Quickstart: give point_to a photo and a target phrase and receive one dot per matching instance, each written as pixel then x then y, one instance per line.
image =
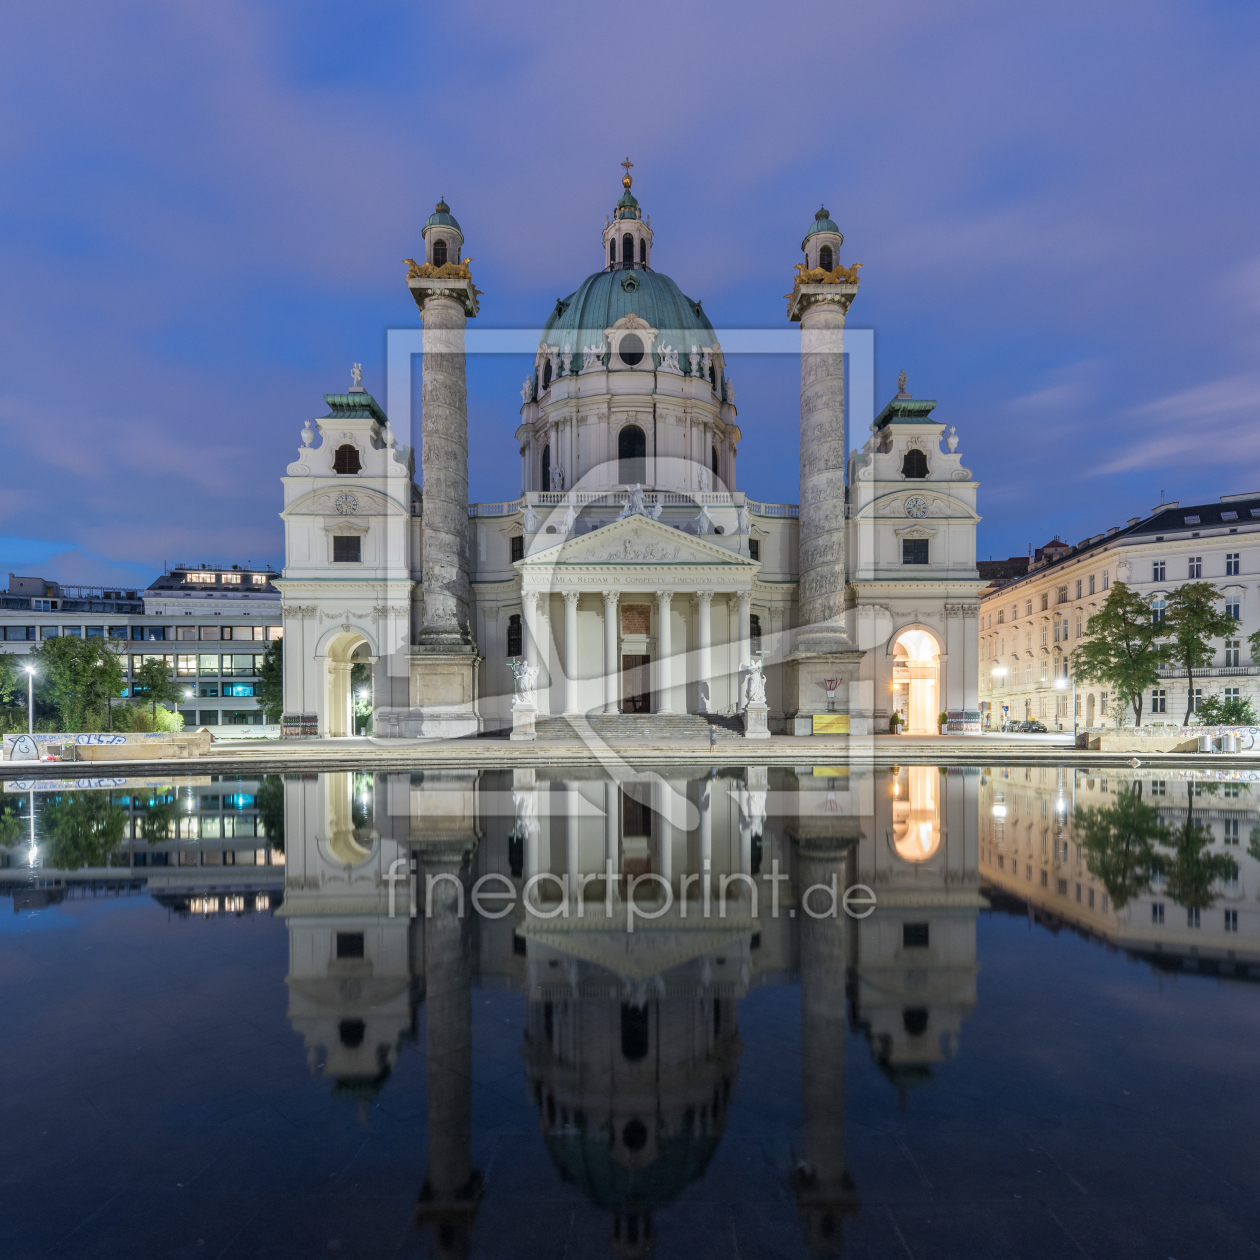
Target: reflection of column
pixel 669 793
pixel 571 860
pixel 824 1191
pixel 570 652
pixel 612 671
pixel 706 835
pixel 664 674
pixel 745 642
pixel 704 653
pixel 529 607
pixel 448 1199
pixel 612 803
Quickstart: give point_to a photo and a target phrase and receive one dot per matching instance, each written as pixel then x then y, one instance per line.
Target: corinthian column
pixel 444 461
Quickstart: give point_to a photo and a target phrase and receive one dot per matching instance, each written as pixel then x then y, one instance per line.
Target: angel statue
pixel 669 359
pixel 592 356
pixel 356 376
pixel 527 390
pixel 525 678
pixel 754 682
pixel 694 357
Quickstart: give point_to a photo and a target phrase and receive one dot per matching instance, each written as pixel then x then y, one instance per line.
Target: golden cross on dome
pixel 626 180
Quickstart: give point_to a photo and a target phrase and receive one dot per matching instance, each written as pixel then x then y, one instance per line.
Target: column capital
pixel 571 597
pixel 744 597
pixel 663 597
pixel 611 598
pixel 704 597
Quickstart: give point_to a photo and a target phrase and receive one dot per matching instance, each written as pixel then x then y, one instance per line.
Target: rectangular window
pixel 1159 571
pixel 1233 607
pixel 1198 699
pixel 1231 920
pixel 208 665
pixel 1091 583
pixel 200 579
pixel 1062 599
pixel 207 717
pixel 239 666
pixel 1159 787
pixel 914 936
pixel 914 551
pixel 242 717
pixel 1159 700
pixel 116 632
pixel 349 944
pixel 1078 892
pixel 1231 831
pixel 1028 608
pixel 1045 600
pixel 1231 563
pixel 19 632
pixel 1091 898
pixel 1233 650
pixel 1043 879
pixel 518 547
pixel 190 717
pixel 208 690
pixel 1078 588
pixel 185 633
pixel 74 632
pixel 94 632
pixel 231 579
pixel 1045 630
pixel 274 633
pixel 1195 567
pixel 238 689
pixel 1193 917
pixel 1106 580
pixel 1157 912
pixel 1159 609
pixel 186 666
pixel 258 579
pixel 754 549
pixel 346 549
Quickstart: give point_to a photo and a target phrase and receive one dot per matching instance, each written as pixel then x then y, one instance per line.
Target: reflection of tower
pixel 632 1073
pixel 824 1191
pixel 443 825
pixel 915 958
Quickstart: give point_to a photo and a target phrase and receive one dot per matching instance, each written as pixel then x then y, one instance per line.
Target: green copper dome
pixel 627 206
pixel 822 223
pixel 607 296
pixel 442 217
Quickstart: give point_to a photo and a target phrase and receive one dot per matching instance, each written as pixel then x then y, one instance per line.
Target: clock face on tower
pixel 916 507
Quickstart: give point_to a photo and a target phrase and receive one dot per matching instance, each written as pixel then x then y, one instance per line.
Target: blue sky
pixel 204 209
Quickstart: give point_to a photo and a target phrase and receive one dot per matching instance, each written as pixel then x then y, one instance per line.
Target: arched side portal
pixel 917 681
pixel 343 652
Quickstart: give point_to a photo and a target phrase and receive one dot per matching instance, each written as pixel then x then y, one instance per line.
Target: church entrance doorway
pixel 917 669
pixel 636 684
pixel 348 700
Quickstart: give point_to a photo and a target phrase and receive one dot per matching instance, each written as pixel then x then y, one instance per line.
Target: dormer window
pixel 346 459
pixel 439 252
pixel 915 464
pixel 824 258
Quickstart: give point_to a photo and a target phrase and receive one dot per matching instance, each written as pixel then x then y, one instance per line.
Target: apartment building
pixel 1029 625
pixel 188 616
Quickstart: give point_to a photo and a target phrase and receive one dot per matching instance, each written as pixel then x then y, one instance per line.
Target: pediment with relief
pixel 637 540
pixel 348 499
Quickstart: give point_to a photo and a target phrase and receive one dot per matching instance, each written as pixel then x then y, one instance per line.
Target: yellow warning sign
pixel 831 723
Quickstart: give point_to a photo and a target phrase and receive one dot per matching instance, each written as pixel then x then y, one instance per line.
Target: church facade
pixel 631 574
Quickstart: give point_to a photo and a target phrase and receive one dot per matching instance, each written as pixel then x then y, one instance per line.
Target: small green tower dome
pixel 442 217
pixel 822 223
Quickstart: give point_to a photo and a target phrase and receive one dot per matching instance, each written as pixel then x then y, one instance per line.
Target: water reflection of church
pixel 631 1043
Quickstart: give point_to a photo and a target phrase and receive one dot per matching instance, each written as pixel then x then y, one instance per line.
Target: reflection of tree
pixel 10 821
pixel 1119 843
pixel 82 830
pixel 270 798
pixel 1191 871
pixel 156 821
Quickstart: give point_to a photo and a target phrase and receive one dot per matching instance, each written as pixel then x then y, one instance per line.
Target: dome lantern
pixel 822 242
pixel 627 236
pixel 443 240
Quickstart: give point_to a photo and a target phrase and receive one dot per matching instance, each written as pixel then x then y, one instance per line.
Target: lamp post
pixel 1061 685
pixel 30 700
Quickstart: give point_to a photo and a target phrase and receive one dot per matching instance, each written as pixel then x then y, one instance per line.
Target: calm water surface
pixel 225 1033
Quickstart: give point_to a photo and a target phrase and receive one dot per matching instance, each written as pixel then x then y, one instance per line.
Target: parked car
pixel 1033 728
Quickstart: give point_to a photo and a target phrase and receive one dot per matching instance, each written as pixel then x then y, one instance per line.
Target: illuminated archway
pixel 916 681
pixel 916 831
pixel 343 652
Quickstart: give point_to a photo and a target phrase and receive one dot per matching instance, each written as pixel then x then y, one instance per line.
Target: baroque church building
pixel 631 574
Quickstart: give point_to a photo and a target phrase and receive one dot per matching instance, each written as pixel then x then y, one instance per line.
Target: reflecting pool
pixel 922 1012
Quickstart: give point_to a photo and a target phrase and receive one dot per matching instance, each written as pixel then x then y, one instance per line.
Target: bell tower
pixel 627 235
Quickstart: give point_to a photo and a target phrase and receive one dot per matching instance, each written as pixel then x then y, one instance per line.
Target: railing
pixel 618 498
pixel 1210 671
pixel 789 510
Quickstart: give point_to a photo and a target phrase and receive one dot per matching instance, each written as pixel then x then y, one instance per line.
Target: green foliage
pixel 1119 843
pixel 79 677
pixel 942 718
pixel 154 682
pixel 157 822
pixel 138 717
pixel 1192 870
pixel 1253 642
pixel 12 829
pixel 1193 621
pixel 271 681
pixel 1227 711
pixel 1122 649
pixel 270 800
pixel 12 679
pixel 361 695
pixel 83 829
pixel 1254 847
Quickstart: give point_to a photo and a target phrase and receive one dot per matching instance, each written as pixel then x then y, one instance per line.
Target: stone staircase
pixel 620 729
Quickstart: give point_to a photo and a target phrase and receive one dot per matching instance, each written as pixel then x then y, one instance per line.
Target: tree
pixel 79 676
pixel 82 830
pixel 270 800
pixel 1192 870
pixel 271 681
pixel 154 682
pixel 1227 711
pixel 1122 649
pixel 12 679
pixel 1193 621
pixel 1119 844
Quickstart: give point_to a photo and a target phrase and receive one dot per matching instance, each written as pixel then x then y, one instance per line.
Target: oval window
pixel 631 350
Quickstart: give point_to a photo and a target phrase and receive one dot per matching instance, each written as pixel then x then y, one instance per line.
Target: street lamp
pixel 1061 685
pixel 30 702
